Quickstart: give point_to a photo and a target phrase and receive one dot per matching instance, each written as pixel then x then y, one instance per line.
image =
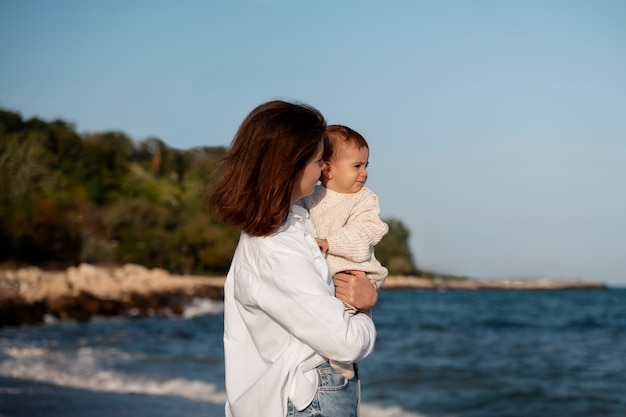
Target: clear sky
pixel 497 129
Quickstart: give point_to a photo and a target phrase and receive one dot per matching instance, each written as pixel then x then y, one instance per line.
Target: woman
pixel 282 321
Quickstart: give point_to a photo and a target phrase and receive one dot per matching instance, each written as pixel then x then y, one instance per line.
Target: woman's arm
pixel 292 292
pixel 354 288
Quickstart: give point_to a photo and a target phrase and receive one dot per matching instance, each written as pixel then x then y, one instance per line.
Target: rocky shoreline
pixel 28 295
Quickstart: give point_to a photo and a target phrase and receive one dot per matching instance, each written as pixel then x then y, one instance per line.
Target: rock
pixel 16 311
pixel 79 293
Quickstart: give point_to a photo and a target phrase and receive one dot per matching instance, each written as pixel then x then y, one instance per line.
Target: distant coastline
pixel 400 282
pixel 28 295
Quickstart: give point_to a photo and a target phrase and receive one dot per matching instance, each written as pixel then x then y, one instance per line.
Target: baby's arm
pixel 362 231
pixel 323 244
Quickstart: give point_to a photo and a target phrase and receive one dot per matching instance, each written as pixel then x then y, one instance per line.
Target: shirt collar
pixel 298 217
pixel 299 212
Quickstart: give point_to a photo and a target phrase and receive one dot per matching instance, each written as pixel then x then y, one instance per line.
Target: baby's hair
pixel 272 146
pixel 338 136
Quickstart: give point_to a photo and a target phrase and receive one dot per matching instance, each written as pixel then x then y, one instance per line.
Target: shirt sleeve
pixel 363 230
pixel 294 295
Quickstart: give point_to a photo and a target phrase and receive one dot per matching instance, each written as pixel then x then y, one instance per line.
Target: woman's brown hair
pixel 271 147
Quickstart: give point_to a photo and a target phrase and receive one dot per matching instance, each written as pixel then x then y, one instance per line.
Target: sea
pixel 500 353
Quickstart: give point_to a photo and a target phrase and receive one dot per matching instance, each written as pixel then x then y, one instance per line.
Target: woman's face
pixel 308 177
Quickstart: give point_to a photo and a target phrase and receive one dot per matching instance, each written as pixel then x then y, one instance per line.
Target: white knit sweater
pixel 351 223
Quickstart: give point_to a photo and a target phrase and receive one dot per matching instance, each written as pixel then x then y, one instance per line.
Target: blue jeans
pixel 336 396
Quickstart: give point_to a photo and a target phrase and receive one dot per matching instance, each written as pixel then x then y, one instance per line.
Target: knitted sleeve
pixel 364 229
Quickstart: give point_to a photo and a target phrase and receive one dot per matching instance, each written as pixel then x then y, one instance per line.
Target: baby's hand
pixel 323 244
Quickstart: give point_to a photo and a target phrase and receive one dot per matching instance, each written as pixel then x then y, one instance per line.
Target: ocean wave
pixel 47 366
pixel 195 308
pixel 370 410
pixel 201 306
pixel 82 371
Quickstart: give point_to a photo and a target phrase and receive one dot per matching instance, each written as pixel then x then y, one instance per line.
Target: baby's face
pixel 347 172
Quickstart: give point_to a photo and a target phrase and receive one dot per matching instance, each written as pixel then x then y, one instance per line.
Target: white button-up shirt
pixel 281 320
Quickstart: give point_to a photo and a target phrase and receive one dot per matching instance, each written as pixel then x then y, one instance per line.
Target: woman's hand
pixel 354 288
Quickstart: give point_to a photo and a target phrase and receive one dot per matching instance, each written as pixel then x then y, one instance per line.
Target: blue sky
pixel 497 129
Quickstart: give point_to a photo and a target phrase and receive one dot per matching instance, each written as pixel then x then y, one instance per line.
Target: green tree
pixel 104 165
pixel 38 224
pixel 67 198
pixel 393 250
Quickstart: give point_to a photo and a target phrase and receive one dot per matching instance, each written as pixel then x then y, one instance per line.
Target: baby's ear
pixel 328 170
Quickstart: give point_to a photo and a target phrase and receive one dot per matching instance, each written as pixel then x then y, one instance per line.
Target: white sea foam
pixel 49 319
pixel 197 307
pixel 26 352
pixel 202 306
pixel 52 367
pixel 370 410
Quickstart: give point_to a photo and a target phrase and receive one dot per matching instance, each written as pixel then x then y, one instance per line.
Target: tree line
pixel 101 198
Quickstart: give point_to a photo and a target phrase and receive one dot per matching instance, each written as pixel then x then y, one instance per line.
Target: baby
pixel 345 215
